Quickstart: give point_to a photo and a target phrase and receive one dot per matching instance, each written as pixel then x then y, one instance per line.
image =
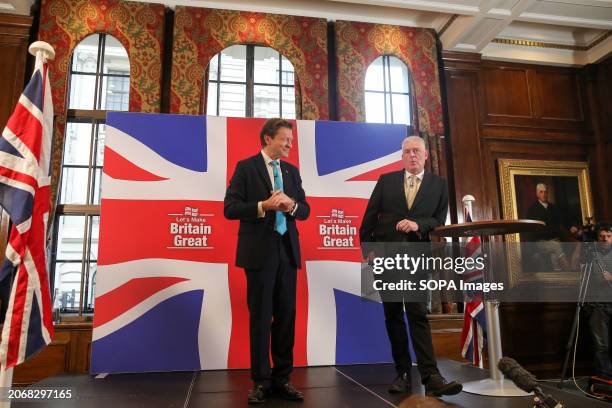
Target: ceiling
pixel 16 6
pixel 554 32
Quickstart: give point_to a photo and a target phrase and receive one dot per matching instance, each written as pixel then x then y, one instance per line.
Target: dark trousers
pixel 271 301
pixel 420 333
pixel 599 322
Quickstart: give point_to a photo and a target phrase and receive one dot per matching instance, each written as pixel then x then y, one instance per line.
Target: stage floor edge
pixel 362 386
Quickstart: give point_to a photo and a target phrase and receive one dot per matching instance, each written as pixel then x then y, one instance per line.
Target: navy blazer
pixel 249 185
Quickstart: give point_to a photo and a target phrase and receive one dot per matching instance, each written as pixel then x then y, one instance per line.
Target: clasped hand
pixel 406 226
pixel 278 201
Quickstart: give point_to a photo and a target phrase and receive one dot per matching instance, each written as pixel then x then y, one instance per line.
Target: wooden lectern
pixel 496 385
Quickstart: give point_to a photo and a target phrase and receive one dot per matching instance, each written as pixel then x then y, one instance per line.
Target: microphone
pixel 526 381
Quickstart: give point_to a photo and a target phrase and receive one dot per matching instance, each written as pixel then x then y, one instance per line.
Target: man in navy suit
pixel 404 207
pixel 266 195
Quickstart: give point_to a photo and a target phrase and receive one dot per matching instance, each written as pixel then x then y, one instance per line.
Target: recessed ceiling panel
pixel 549 33
pixel 480 31
pixel 561 11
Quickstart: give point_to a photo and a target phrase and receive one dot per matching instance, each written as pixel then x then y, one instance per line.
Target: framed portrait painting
pixel 555 192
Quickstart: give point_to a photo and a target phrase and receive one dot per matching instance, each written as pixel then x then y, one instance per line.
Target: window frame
pixel 386 69
pixel 249 103
pixel 96 117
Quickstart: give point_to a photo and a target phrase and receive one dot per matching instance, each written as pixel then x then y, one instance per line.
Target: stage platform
pixel 362 386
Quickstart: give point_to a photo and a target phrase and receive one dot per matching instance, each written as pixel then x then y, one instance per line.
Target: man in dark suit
pixel 266 195
pixel 404 207
pixel 548 241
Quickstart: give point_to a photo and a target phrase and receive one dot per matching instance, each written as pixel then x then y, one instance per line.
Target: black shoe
pixel 401 384
pixel 258 394
pixel 437 386
pixel 287 391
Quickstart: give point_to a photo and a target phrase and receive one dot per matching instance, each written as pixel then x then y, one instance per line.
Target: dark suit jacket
pixel 551 218
pixel 250 184
pixel 388 205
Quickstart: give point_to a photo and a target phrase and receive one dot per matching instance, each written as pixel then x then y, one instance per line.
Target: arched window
pixel 387 91
pixel 99 81
pixel 251 81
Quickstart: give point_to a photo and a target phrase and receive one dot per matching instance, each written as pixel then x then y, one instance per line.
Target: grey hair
pixel 541 186
pixel 414 138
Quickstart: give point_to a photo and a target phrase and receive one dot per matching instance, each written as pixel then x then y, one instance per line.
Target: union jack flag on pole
pixel 474 333
pixel 25 148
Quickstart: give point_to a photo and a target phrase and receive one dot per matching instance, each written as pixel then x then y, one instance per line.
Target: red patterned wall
pixel 201 33
pixel 359 44
pixel 138 26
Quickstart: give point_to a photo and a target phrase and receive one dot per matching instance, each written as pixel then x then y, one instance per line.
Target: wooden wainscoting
pixel 446 335
pixel 69 353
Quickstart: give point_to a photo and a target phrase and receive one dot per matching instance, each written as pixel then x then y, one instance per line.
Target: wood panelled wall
pixel 599 90
pixel 14 41
pixel 68 353
pixel 504 110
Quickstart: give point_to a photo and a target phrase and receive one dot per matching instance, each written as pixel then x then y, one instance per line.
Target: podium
pixel 495 385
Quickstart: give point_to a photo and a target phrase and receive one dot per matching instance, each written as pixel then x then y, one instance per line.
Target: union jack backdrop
pixel 474 334
pixel 24 194
pixel 168 296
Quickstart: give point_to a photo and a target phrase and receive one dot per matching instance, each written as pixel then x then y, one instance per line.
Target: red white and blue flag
pixel 24 194
pixel 168 296
pixel 473 335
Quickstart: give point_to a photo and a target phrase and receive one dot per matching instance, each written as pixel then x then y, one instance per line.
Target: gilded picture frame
pixel 518 179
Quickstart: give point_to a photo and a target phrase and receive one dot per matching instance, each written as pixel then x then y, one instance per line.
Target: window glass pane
pixel 287 76
pixel 85 56
pixel 115 93
pixel 375 107
pixel 213 68
pixel 388 118
pixel 74 185
pixel 266 103
pixel 401 109
pixel 288 103
pixel 82 91
pixel 67 285
pixel 211 100
pixel 115 57
pixel 100 144
pixel 98 176
pixel 71 229
pixel 374 76
pixel 88 301
pixel 233 63
pixel 95 233
pixel 232 101
pixel 399 75
pixel 77 143
pixel 266 65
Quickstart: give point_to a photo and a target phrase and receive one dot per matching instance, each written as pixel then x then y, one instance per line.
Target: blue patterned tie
pixel 281 222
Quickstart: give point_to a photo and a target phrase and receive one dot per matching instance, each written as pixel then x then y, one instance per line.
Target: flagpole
pixel 6 382
pixel 43 52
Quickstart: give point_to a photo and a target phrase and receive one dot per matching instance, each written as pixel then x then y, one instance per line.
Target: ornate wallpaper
pixel 138 26
pixel 201 33
pixel 359 44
